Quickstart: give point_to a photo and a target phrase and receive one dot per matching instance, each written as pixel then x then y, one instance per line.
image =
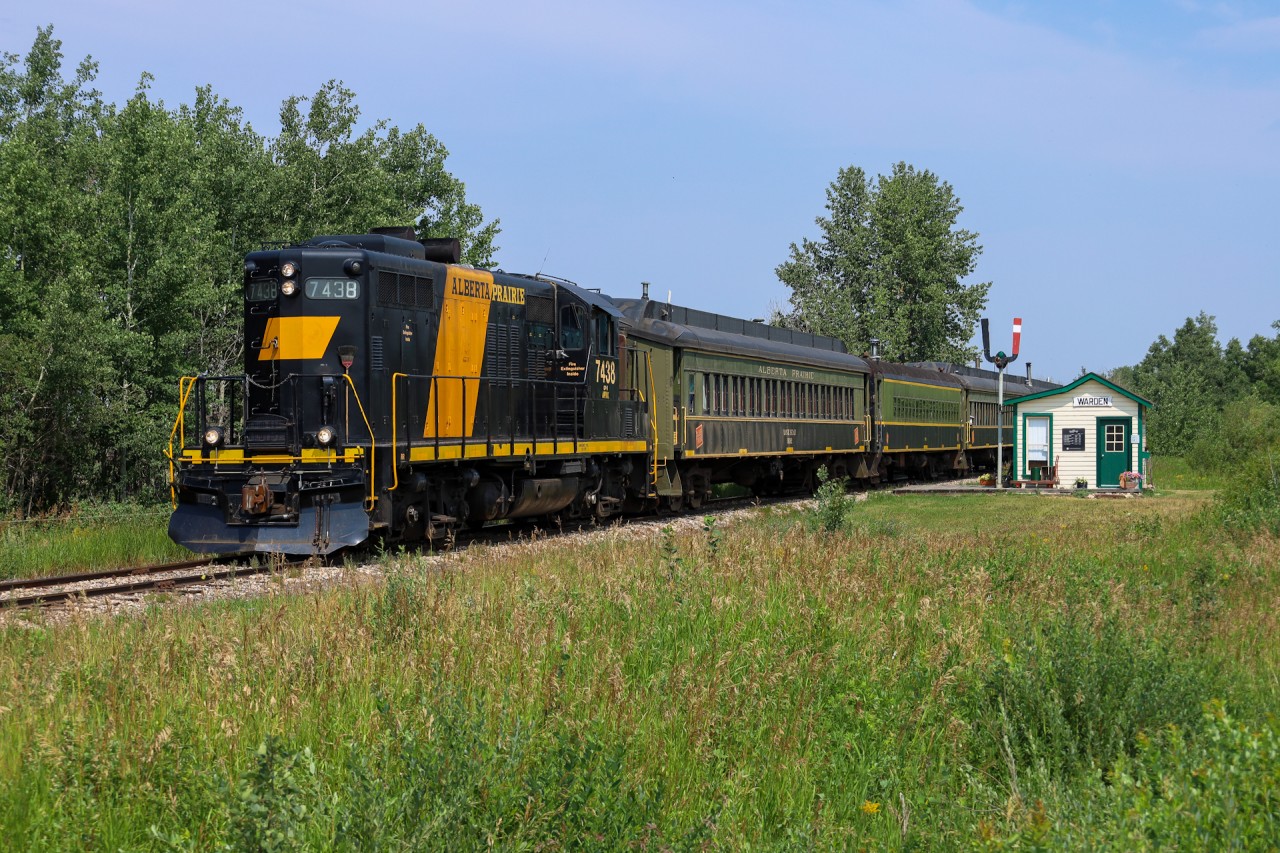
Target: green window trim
pixel 1022 445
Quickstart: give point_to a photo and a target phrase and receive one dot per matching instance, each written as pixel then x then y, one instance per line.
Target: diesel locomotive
pixel 390 391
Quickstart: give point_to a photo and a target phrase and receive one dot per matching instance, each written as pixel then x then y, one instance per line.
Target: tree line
pixel 1217 403
pixel 122 237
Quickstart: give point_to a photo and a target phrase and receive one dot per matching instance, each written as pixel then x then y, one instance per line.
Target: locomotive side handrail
pixel 653 419
pixel 487 386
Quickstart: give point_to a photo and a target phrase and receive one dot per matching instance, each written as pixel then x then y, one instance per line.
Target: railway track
pixel 18 593
pixel 54 589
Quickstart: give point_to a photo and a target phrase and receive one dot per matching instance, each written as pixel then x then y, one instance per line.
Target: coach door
pixel 1113 450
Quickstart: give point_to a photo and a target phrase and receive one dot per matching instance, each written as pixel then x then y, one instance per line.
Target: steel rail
pixel 98 574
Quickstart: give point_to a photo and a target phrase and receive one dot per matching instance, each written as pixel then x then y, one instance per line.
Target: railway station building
pixel 1090 429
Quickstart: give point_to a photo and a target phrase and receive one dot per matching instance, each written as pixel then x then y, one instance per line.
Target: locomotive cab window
pixel 604 334
pixel 571 333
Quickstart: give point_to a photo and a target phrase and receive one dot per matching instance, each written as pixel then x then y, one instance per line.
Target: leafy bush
pixel 1248 428
pixel 834 501
pixel 1213 792
pixel 269 804
pixel 1251 500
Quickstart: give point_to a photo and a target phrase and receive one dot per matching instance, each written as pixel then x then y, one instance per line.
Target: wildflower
pixel 869 807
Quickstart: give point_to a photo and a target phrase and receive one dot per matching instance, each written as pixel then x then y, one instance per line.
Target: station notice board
pixel 1073 438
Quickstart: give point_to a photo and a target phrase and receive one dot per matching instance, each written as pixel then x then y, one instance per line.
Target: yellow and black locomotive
pixel 390 391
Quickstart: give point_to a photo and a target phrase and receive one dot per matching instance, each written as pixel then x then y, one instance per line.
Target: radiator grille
pixel 540 309
pixel 402 290
pixel 268 432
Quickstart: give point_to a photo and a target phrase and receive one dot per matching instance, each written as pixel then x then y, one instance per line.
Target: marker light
pixel 288 287
pixel 213 437
pixel 325 436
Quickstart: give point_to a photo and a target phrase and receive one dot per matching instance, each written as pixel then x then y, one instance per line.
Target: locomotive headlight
pixel 288 287
pixel 288 269
pixel 213 437
pixel 325 435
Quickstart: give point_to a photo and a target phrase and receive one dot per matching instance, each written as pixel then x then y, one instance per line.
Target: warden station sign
pixel 1093 401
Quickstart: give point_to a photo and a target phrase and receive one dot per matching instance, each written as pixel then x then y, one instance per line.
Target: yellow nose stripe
pixel 296 338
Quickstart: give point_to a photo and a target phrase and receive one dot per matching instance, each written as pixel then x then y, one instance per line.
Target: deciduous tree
pixel 890 264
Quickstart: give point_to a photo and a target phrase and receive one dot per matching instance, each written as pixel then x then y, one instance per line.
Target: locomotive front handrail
pixel 190 386
pixel 372 500
pixel 185 385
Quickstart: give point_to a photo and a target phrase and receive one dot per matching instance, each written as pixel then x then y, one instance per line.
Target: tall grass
pixel 935 672
pixel 87 537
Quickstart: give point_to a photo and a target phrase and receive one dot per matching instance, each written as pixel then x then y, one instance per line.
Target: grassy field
pixel 986 671
pixel 90 537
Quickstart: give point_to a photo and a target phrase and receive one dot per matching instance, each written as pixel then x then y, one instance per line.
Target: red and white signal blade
pixel 1017 335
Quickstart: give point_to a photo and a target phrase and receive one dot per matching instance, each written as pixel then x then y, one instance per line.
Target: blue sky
pixel 1119 160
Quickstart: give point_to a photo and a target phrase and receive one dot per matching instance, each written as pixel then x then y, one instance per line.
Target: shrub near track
pixel 933 672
